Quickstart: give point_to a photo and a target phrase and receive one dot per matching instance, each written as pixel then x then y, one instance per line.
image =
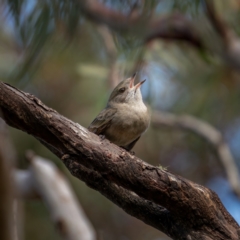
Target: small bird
pixel 125 117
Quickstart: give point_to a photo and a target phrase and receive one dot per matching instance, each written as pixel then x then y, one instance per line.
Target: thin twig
pixel 113 76
pixel 220 26
pixel 231 42
pixel 209 133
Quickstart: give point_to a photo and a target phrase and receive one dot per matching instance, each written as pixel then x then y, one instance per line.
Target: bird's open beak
pixel 139 84
pixel 132 82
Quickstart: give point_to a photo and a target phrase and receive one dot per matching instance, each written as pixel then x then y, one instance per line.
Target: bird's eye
pixel 121 90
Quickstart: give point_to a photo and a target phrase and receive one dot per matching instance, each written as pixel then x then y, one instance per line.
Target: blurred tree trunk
pixel 6 188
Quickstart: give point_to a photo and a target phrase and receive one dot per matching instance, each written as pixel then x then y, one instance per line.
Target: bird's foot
pixel 102 137
pixel 132 153
pixel 125 148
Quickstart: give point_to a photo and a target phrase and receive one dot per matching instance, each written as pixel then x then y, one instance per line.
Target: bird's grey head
pixel 126 92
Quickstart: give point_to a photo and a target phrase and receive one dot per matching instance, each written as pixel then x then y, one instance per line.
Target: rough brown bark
pixel 184 210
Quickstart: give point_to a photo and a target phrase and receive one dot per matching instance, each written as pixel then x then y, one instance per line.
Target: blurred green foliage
pixel 50 49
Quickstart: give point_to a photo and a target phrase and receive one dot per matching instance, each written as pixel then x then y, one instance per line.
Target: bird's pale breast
pixel 128 124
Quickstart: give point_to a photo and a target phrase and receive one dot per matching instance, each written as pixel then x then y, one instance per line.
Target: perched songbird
pixel 125 117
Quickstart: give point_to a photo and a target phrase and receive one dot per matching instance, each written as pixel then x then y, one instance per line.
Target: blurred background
pixel 51 49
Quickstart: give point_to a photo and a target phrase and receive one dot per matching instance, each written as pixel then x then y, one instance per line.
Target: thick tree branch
pixel 208 132
pixel 175 27
pixel 98 12
pixel 197 209
pixel 147 211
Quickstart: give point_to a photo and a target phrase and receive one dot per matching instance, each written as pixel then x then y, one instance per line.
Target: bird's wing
pixel 102 121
